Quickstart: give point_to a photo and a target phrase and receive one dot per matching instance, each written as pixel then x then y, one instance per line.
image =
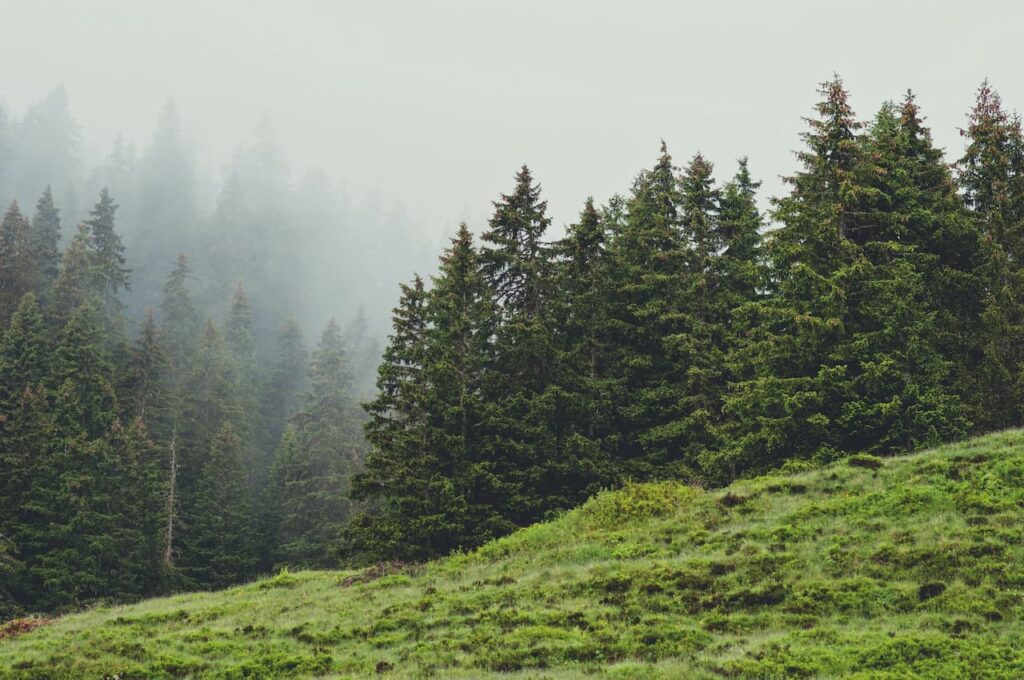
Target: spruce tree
pixel 314 465
pixel 410 507
pixel 283 389
pixel 460 318
pixel 79 281
pixel 180 320
pixel 991 177
pixel 108 253
pixel 218 546
pixel 794 384
pixel 45 236
pixel 257 450
pixel 585 363
pixel 26 433
pixel 16 274
pixel 646 291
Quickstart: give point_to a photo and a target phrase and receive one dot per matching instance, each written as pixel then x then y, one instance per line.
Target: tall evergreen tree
pixel 793 386
pixel 79 281
pixel 411 507
pixel 108 253
pixel 16 274
pixel 315 463
pixel 181 324
pixel 44 240
pixel 580 305
pixel 283 389
pixel 218 546
pixel 647 285
pixel 991 177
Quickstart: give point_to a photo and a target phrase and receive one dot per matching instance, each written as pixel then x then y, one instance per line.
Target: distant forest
pixel 675 331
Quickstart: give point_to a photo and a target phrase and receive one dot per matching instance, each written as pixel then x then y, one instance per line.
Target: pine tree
pixel 181 324
pixel 26 363
pixel 696 349
pixel 45 236
pixel 580 303
pixel 314 466
pixel 257 449
pixel 218 545
pixel 16 275
pixel 741 265
pixel 208 401
pixel 646 289
pixel 147 378
pixel 527 414
pixel 412 509
pixel 514 262
pixel 79 281
pixel 991 177
pixel 108 253
pixel 794 385
pixel 77 532
pixel 283 389
pixel 460 318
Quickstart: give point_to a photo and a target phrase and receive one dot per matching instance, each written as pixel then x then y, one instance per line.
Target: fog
pixel 399 118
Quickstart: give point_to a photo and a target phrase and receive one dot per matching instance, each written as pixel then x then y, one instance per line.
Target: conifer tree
pixel 26 364
pixel 181 323
pixel 991 177
pixel 108 253
pixel 648 258
pixel 315 462
pixel 45 236
pixel 460 318
pixel 218 546
pixel 411 508
pixel 208 401
pixel 740 267
pixel 514 259
pixel 287 380
pixel 16 275
pixel 580 305
pixel 79 281
pixel 148 373
pixel 794 384
pixel 527 415
pixel 257 451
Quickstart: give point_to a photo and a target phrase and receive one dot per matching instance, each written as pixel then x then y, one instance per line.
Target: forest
pixel 160 436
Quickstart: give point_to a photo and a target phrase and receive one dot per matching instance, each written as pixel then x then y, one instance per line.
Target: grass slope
pixel 914 567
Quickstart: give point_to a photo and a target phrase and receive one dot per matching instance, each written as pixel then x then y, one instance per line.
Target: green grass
pixel 908 567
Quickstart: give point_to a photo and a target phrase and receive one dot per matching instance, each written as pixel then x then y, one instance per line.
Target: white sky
pixel 439 102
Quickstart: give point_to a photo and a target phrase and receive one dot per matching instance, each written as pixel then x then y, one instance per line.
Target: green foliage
pixel 839 572
pixel 218 547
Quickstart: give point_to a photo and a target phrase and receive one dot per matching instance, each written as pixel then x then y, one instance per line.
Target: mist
pixel 367 132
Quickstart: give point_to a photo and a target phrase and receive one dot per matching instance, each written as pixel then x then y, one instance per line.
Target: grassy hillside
pixel 911 566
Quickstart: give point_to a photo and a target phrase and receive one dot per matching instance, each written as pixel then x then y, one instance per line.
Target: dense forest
pixel 676 331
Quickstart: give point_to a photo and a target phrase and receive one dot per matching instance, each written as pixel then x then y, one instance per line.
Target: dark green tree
pixel 16 274
pixel 315 462
pixel 45 237
pixel 218 545
pixel 411 506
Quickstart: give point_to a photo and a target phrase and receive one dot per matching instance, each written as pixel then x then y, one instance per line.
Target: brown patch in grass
pixel 16 627
pixel 379 570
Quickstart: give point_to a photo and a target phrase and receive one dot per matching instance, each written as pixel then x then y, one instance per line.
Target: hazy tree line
pixel 675 331
pixel 295 242
pixel 672 333
pixel 173 459
pixel 144 397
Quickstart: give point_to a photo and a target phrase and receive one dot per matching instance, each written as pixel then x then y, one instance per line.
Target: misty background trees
pixel 298 242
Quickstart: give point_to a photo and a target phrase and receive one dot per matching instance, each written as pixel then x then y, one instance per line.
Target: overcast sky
pixel 439 102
